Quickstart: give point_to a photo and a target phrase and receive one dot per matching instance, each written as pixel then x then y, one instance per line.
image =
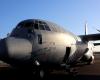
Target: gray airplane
pixel 44 46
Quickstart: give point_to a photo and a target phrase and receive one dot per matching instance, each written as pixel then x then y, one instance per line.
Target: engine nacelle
pixel 88 56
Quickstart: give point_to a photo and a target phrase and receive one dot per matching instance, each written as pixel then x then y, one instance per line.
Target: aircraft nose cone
pixel 15 49
pixel 18 48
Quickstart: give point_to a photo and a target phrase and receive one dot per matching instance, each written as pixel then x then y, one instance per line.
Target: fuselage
pixel 42 41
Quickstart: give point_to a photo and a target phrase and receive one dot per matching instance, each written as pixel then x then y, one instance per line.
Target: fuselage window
pixel 39 39
pixel 36 26
pixel 47 28
pixel 41 26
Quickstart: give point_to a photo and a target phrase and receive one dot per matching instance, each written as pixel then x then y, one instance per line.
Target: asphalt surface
pixel 85 72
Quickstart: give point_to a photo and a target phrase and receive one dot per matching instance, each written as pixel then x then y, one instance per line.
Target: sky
pixel 70 14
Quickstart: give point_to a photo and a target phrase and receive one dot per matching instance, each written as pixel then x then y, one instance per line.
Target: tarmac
pixel 85 72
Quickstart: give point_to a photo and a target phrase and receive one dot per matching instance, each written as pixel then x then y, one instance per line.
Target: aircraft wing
pixel 90 37
pixel 96 44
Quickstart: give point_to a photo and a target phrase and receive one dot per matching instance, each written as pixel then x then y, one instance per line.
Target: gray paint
pixel 23 44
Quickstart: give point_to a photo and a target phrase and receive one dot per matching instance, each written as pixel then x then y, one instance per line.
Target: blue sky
pixel 71 14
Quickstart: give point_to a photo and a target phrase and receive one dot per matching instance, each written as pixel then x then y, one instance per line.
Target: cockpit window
pixel 41 26
pixel 20 25
pixel 40 22
pixel 36 26
pixel 28 24
pixel 36 21
pixel 25 24
pixel 47 28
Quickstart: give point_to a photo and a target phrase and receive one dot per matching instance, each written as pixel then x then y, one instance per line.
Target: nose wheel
pixel 41 73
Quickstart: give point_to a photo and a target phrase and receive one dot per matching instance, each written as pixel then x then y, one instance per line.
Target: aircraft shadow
pixel 16 75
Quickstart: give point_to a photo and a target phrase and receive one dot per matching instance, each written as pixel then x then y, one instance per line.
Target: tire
pixel 41 74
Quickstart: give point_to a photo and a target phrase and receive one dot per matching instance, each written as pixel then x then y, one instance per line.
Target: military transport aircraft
pixel 43 45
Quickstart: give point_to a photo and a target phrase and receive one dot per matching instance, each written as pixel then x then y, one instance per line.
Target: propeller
pixel 98 30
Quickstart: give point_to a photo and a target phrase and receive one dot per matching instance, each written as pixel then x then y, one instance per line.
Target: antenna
pixel 86 31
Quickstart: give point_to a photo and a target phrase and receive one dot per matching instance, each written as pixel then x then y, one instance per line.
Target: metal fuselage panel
pixel 53 47
pixel 51 50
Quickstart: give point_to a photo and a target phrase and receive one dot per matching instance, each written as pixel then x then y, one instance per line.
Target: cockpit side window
pixel 36 26
pixel 28 24
pixel 20 25
pixel 25 25
pixel 47 28
pixel 41 26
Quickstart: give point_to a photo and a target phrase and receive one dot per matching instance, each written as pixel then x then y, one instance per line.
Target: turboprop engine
pixel 88 56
